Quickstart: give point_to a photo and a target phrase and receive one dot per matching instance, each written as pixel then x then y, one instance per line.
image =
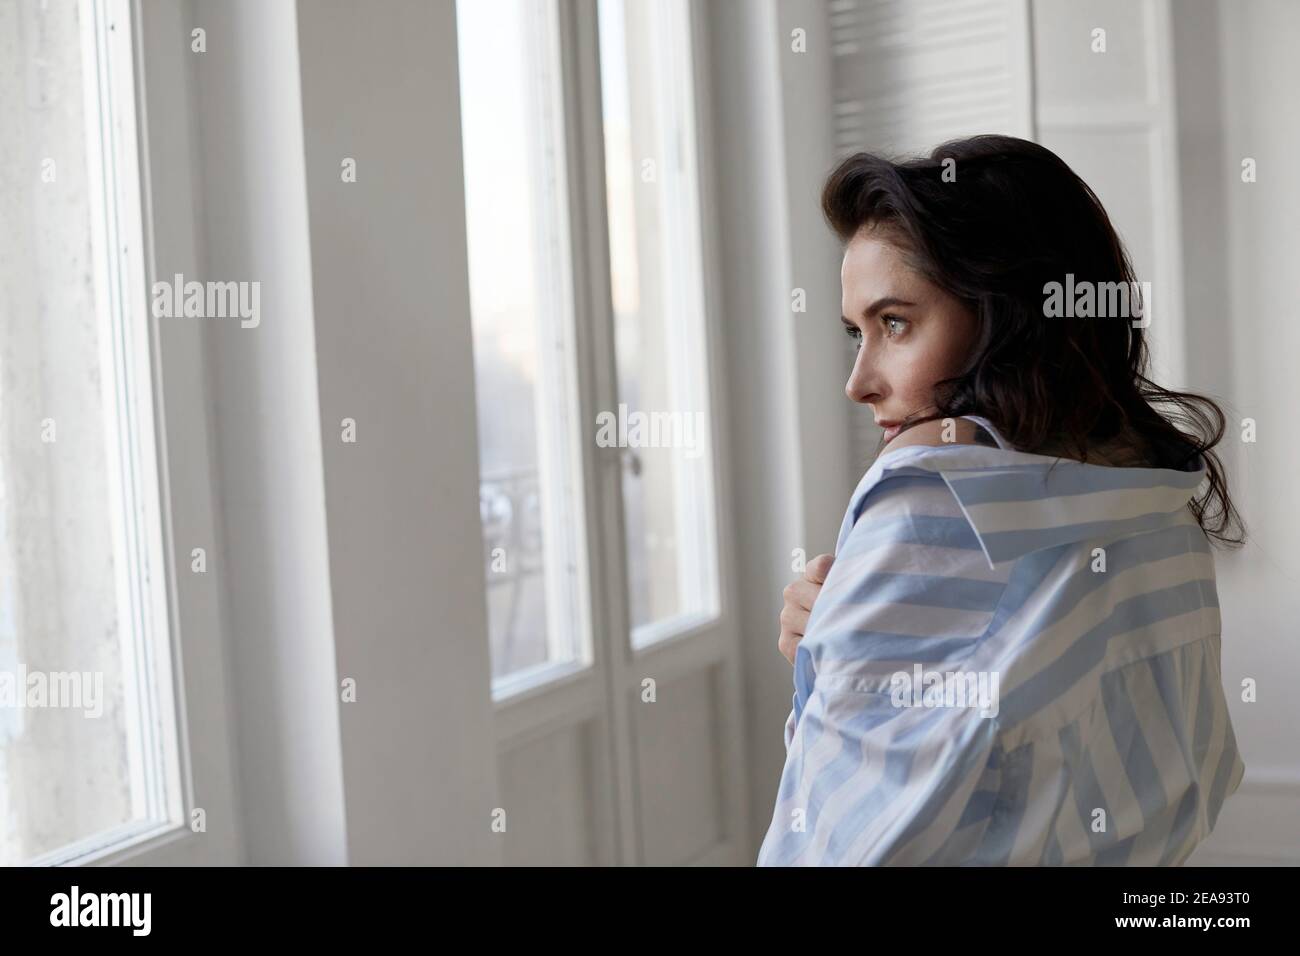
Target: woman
pixel 1014 656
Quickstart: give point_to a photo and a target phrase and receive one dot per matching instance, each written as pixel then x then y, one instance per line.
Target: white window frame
pixel 560 428
pixel 151 149
pixel 681 251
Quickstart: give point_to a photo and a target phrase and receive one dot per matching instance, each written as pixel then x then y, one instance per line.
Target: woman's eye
pixel 894 325
pixel 854 333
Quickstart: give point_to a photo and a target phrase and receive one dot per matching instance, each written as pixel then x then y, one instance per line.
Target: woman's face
pixel 911 334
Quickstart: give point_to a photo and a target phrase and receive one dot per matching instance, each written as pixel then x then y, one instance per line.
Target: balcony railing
pixel 510 509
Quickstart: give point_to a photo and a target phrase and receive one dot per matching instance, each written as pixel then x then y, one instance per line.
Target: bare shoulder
pixel 940 431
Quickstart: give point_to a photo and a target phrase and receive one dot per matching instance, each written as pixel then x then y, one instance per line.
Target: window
pixel 658 298
pixel 519 113
pixel 588 252
pixel 87 732
pixel 522 305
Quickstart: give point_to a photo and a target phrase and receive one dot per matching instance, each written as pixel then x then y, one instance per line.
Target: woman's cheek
pixel 915 380
pixel 938 363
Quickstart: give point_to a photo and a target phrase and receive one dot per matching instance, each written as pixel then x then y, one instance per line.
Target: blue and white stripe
pixel 1111 742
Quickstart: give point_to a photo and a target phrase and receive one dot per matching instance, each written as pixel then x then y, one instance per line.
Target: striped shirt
pixel 1014 660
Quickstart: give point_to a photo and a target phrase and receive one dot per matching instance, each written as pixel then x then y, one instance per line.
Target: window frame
pixel 154 152
pixel 568 635
pixel 689 367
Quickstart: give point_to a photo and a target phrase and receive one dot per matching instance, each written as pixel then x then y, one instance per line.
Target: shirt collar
pixel 1019 503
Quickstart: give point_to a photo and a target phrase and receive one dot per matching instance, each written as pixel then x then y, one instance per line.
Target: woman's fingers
pixel 799 597
pixel 794 619
pixel 817 569
pixel 786 644
pixel 802 593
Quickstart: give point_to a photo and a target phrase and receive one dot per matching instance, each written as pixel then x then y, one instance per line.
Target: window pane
pixel 655 255
pixel 85 754
pixel 522 310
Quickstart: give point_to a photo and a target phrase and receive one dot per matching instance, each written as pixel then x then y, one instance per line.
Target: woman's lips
pixel 890 432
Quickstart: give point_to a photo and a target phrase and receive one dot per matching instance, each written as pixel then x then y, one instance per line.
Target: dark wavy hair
pixel 1014 218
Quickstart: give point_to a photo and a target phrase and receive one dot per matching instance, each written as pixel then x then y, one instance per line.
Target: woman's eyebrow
pixel 875 307
pixel 884 303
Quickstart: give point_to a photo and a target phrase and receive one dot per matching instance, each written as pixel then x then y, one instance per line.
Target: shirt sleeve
pixel 883 766
pixel 869 784
pixel 790 722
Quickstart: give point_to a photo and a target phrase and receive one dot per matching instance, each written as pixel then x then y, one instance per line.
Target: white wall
pixel 1238 74
pixel 393 353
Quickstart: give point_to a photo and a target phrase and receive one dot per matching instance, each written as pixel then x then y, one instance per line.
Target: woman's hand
pixel 799 597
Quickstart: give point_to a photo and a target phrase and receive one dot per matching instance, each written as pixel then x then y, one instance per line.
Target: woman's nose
pixel 863 385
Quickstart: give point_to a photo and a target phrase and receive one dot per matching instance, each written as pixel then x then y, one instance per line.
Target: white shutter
pixel 910 74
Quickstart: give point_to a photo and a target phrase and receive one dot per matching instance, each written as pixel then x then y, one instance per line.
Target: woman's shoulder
pixel 907 477
pixel 1014 502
